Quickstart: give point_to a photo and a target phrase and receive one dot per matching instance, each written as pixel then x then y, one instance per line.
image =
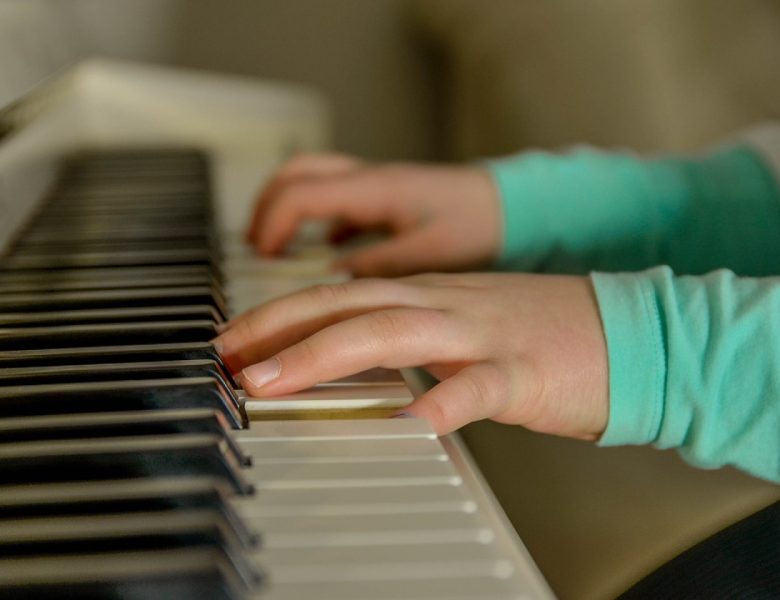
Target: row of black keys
pixel 116 457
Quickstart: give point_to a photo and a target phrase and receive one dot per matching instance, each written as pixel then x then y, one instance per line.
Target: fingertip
pixel 268 248
pixel 427 407
pixel 256 377
pixel 227 359
pixel 402 415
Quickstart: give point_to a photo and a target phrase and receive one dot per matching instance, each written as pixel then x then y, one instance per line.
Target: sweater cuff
pixel 637 357
pixel 523 183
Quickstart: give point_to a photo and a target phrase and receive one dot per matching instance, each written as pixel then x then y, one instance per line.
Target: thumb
pixel 479 391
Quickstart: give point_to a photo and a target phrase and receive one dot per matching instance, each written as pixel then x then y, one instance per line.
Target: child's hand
pixel 522 349
pixel 439 218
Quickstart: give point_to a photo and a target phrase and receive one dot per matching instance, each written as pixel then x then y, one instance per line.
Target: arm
pixel 690 362
pixel 694 364
pixel 589 209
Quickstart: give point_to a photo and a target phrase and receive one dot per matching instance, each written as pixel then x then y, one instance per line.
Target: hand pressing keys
pixel 520 349
pixel 440 218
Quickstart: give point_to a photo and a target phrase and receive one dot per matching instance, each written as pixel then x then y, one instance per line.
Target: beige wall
pixel 357 51
pixel 463 78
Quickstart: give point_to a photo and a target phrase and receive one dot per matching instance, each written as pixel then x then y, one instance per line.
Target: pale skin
pixel 516 348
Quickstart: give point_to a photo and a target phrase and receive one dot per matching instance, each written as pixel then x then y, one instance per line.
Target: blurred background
pixel 455 79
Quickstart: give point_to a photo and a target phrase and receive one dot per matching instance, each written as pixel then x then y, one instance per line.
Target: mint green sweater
pixel 694 360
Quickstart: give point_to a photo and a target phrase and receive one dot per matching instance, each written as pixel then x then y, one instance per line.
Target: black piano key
pixel 63 285
pixel 115 298
pixel 130 187
pixel 91 194
pixel 91 159
pixel 109 315
pixel 59 461
pixel 115 372
pixel 123 172
pixel 155 332
pixel 96 425
pixel 149 171
pixel 87 232
pixel 74 221
pixel 121 396
pixel 94 276
pixel 123 496
pixel 72 178
pixel 94 223
pixel 113 532
pixel 110 354
pixel 193 573
pixel 108 245
pixel 75 177
pixel 106 203
pixel 98 259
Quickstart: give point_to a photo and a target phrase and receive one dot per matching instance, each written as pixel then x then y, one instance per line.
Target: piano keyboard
pixel 132 465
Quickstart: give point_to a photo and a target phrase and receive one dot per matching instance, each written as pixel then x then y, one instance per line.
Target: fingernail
pixel 262 373
pixel 218 346
pixel 402 415
pixel 220 327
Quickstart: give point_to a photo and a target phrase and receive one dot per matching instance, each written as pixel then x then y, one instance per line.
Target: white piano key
pixel 350 475
pixel 462 588
pixel 295 451
pixel 332 397
pixel 245 293
pixel 371 530
pixel 355 501
pixel 338 557
pixel 375 376
pixel 327 571
pixel 346 429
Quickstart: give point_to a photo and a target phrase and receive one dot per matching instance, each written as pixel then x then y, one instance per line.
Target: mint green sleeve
pixel 588 209
pixel 694 364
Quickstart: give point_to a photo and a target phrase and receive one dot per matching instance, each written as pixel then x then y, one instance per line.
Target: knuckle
pixel 477 390
pixel 389 290
pixel 489 387
pixel 289 197
pixel 436 411
pixel 304 354
pixel 397 326
pixel 386 326
pixel 248 328
pixel 526 391
pixel 534 383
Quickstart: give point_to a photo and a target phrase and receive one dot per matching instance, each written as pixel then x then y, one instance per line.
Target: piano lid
pixel 55 98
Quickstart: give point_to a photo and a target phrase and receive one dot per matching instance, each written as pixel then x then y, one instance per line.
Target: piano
pixel 131 463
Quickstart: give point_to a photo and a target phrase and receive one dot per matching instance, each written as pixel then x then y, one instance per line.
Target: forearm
pixel 694 364
pixel 588 209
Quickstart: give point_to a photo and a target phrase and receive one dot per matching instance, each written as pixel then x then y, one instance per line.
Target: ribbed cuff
pixel 637 357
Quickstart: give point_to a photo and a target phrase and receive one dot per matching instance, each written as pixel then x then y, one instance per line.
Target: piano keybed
pixel 132 464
